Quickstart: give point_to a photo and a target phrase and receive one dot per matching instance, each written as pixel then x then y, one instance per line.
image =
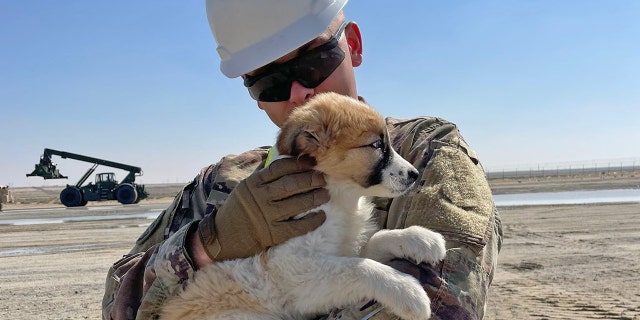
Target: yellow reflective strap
pixel 273 153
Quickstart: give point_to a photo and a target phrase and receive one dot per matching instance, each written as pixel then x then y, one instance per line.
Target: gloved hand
pixel 258 213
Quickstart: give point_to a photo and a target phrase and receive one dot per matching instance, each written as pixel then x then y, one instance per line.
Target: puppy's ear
pixel 306 143
pixel 299 141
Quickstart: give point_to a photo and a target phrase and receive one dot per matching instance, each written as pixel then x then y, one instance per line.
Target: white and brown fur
pixel 338 264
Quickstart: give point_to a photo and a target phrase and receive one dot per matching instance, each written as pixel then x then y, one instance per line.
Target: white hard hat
pixel 253 33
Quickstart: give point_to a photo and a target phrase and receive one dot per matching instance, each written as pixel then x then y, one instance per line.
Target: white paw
pixel 422 245
pixel 415 243
pixel 411 302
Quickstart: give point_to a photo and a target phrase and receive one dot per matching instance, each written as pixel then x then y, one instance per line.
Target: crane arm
pixel 47 169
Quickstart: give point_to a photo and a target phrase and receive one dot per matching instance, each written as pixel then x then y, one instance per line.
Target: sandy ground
pixel 557 262
pixel 568 262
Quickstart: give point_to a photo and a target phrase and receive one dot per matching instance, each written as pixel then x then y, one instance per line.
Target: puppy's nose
pixel 412 175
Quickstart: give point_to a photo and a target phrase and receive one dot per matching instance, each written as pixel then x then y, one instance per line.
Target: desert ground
pixel 557 262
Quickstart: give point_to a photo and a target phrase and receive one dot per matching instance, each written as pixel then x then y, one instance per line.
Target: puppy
pixel 334 265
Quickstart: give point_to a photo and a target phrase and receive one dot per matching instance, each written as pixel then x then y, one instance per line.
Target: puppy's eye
pixel 377 144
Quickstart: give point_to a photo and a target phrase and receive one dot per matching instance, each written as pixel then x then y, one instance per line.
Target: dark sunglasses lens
pixel 310 70
pixel 313 70
pixel 274 87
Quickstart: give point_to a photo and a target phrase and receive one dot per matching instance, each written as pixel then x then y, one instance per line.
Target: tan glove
pixel 258 213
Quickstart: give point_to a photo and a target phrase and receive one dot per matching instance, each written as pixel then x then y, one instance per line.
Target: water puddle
pixel 152 214
pixel 568 197
pixel 30 251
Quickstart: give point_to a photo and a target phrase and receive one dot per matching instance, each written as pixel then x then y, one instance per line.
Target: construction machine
pixel 106 187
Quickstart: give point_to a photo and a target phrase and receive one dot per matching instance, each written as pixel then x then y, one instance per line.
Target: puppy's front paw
pixel 410 302
pixel 422 245
pixel 415 243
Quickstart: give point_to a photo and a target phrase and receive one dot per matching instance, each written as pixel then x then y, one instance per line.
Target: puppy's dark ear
pixel 304 132
pixel 286 139
pixel 299 141
pixel 306 143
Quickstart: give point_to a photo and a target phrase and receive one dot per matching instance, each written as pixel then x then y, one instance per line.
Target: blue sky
pixel 138 82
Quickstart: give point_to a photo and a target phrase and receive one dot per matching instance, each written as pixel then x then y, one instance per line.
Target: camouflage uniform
pixel 453 198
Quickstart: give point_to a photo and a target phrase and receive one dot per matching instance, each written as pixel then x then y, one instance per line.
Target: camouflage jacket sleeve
pixel 158 265
pixel 453 198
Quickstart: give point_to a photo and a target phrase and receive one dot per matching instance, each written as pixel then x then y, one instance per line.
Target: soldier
pixel 286 52
pixel 6 196
pixel 3 195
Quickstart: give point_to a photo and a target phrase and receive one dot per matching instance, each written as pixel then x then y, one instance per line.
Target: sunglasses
pixel 310 69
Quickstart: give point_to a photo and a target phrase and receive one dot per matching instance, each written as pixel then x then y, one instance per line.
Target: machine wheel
pixel 71 196
pixel 126 194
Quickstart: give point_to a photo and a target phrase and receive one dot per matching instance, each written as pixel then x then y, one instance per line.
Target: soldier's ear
pixel 354 40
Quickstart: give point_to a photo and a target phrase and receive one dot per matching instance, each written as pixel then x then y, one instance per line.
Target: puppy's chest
pixel 344 231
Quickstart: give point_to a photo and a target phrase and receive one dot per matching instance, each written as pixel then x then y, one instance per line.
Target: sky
pixel 138 82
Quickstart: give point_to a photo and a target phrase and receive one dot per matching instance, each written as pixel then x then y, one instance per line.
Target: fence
pixel 565 169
